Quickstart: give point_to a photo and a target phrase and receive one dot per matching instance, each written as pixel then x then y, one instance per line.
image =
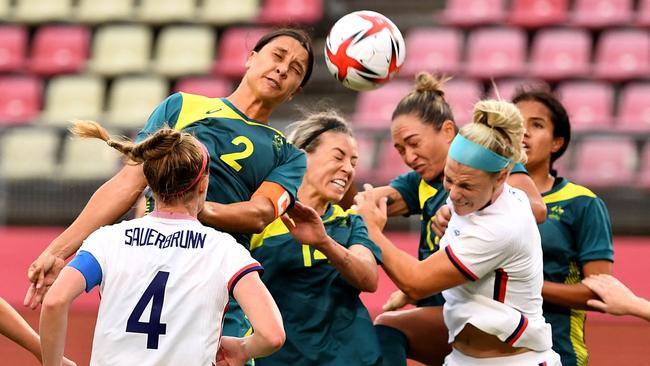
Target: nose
pixel 347 167
pixel 409 157
pixel 282 69
pixel 453 194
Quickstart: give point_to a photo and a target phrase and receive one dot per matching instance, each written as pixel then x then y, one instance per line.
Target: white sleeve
pixel 238 263
pixel 477 252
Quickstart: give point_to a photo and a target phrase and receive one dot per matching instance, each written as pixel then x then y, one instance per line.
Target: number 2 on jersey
pixel 231 158
pixel 155 293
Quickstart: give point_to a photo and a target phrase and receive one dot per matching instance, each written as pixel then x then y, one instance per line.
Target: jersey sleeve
pixel 519 168
pixel 90 260
pixel 238 264
pixel 594 232
pixel 166 113
pixel 477 251
pixel 407 185
pixel 290 171
pixel 359 236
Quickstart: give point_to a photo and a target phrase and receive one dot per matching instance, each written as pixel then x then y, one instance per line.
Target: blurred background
pixel 114 61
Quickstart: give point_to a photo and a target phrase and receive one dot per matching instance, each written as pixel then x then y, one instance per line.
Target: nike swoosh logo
pixel 213 111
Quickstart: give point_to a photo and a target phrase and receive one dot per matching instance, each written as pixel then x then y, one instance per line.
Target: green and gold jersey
pixel 243 153
pixel 577 230
pixel 325 321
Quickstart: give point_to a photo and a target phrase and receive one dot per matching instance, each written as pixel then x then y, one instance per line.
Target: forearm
pixel 640 308
pixel 53 327
pixel 14 327
pixel 573 296
pixel 241 217
pixel 357 270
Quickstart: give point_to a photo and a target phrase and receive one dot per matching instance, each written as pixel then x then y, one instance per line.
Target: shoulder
pixel 570 191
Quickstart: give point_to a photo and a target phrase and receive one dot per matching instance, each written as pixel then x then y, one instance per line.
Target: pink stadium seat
pixel 605 162
pixel 234 47
pixel 20 99
pixel 375 108
pixel 588 103
pixel 496 52
pixel 390 163
pixel 366 150
pixel 622 55
pixel 470 13
pixel 60 49
pixel 644 171
pixel 461 96
pixel 602 13
pixel 434 50
pixel 291 11
pixel 538 13
pixel 634 108
pixel 13 47
pixel 643 14
pixel 560 53
pixel 209 87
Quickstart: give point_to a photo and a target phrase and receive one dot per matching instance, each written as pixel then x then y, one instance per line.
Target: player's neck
pixel 251 106
pixel 541 176
pixel 310 197
pixel 179 208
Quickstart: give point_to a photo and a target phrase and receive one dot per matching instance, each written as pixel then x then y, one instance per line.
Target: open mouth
pixel 275 83
pixel 340 182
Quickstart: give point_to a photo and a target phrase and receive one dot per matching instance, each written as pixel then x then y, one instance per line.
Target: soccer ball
pixel 364 50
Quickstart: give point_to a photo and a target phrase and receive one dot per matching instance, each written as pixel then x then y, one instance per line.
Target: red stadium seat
pixel 496 52
pixel 13 47
pixel 436 50
pixel 461 96
pixel 234 47
pixel 20 99
pixel 644 171
pixel 60 49
pixel 588 103
pixel 560 53
pixel 643 14
pixel 210 87
pixel 623 54
pixel 602 13
pixel 605 162
pixel 375 108
pixel 470 13
pixel 291 11
pixel 634 109
pixel 389 164
pixel 538 13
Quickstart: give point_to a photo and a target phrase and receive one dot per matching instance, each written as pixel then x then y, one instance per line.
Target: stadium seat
pixel 602 13
pixel 643 14
pixel 210 87
pixel 165 11
pixel 291 11
pixel 605 162
pixel 495 53
pixel 13 48
pixel 132 99
pixel 644 171
pixel 73 97
pixel 623 55
pixel 633 108
pixel 40 11
pixel 20 99
pixel 5 9
pixel 28 153
pixel 88 159
pixel 234 47
pixel 436 50
pixel 184 50
pixel 471 13
pixel 375 108
pixel 220 12
pixel 560 53
pixel 538 13
pixel 461 96
pixel 589 104
pixel 389 163
pixel 60 49
pixel 97 12
pixel 119 49
pixel 366 150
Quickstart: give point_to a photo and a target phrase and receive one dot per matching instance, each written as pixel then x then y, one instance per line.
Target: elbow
pixel 53 303
pixel 413 292
pixel 371 283
pixel 259 224
pixel 540 213
pixel 275 340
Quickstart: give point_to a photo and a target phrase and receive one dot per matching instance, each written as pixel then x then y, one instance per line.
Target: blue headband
pixel 476 156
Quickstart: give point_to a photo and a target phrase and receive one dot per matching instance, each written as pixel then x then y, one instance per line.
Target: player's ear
pixel 203 185
pixel 297 91
pixel 249 59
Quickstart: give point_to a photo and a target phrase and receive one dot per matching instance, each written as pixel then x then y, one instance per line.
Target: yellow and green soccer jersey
pixel 577 230
pixel 243 152
pixel 325 321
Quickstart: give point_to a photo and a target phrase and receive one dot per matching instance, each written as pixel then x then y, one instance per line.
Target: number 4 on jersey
pixel 154 293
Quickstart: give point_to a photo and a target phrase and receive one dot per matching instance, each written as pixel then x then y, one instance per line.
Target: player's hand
pixel 440 220
pixel 231 352
pixel 42 273
pixel 616 298
pixel 397 300
pixel 305 225
pixel 371 207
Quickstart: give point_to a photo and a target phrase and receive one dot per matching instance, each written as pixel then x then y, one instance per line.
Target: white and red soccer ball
pixel 364 50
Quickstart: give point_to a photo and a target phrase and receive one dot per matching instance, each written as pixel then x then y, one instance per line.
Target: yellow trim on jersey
pixel 306 255
pixel 338 211
pixel 568 192
pixel 577 321
pixel 425 191
pixel 275 228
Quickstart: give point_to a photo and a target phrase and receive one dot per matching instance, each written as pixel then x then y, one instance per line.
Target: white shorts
pixel 546 358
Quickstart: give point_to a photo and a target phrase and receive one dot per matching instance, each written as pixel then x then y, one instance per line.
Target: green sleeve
pixel 166 113
pixel 408 185
pixel 290 171
pixel 593 232
pixel 359 236
pixel 519 168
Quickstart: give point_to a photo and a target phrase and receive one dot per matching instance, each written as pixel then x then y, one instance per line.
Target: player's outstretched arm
pixel 576 296
pixel 526 184
pixel 241 217
pixel 615 297
pixel 54 315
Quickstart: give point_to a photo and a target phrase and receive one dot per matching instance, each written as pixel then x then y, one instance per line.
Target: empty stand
pixel 87 159
pixel 643 14
pixel 184 50
pixel 496 52
pixel 28 153
pixel 375 108
pixel 291 12
pixel 13 47
pixel 560 53
pixel 220 12
pixel 436 50
pixel 365 165
pixel 507 88
pixel 20 99
pixel 60 49
pixel 132 99
pixel 165 11
pixel 602 13
pixel 209 87
pixel 73 97
pixel 623 54
pixel 589 104
pixel 470 13
pixel 121 49
pixel 538 13
pixel 605 162
pixel 234 47
pixel 98 11
pixel 389 163
pixel 634 108
pixel 461 96
pixel 39 11
pixel 644 171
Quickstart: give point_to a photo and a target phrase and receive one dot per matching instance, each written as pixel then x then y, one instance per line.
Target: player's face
pixel 470 189
pixel 330 167
pixel 421 147
pixel 275 72
pixel 539 142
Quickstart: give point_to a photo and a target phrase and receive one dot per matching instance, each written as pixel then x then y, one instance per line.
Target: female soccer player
pixel 422 130
pixel 576 236
pixel 491 266
pixel 169 260
pixel 319 258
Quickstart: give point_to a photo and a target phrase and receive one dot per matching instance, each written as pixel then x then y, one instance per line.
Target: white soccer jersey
pixel 498 249
pixel 165 282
